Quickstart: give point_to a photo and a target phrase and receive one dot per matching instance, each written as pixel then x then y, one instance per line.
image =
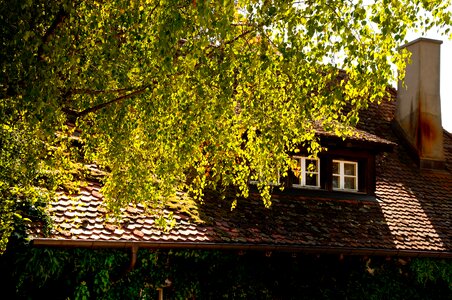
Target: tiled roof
pixel 357 135
pixel 370 129
pixel 411 213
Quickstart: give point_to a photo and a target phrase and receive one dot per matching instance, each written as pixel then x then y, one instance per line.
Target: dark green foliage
pixel 428 271
pixel 44 273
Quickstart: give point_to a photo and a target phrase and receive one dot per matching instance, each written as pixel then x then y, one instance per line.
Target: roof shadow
pixel 417 203
pixel 308 220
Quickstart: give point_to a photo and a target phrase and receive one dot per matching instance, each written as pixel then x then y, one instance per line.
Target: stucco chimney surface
pixel 418 103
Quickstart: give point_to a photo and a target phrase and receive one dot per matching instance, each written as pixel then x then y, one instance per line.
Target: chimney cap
pixel 421 39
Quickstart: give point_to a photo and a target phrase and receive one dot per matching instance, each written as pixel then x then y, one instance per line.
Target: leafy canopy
pixel 185 95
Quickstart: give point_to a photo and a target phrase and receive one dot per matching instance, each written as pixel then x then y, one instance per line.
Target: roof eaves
pixel 125 244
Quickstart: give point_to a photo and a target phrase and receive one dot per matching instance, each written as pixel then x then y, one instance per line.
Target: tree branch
pixel 229 41
pixel 59 18
pixel 239 36
pixel 96 92
pixel 103 105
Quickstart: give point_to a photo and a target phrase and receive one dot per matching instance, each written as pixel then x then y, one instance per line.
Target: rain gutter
pixel 135 245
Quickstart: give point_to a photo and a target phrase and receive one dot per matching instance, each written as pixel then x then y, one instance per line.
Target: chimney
pixel 418 114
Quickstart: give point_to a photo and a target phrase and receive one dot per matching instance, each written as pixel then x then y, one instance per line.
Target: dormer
pixel 348 165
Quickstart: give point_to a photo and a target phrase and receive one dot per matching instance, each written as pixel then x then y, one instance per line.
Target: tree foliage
pixel 186 95
pixel 31 272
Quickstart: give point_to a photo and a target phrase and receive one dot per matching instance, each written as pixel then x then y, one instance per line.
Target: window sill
pixel 347 191
pixel 299 186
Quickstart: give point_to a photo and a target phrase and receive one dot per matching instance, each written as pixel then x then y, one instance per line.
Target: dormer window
pixel 338 170
pixel 345 175
pixel 307 172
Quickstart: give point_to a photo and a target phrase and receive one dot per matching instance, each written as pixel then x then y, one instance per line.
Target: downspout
pixel 133 256
pixel 160 291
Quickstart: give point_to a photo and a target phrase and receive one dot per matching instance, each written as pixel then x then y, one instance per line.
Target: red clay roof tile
pixel 412 210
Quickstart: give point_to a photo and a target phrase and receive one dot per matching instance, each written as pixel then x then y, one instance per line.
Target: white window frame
pixel 301 160
pixel 342 175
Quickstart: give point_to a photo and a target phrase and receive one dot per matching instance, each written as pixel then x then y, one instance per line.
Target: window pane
pixel 297 171
pixel 349 169
pixel 335 167
pixel 336 182
pixel 350 183
pixel 311 165
pixel 311 179
pixel 296 179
